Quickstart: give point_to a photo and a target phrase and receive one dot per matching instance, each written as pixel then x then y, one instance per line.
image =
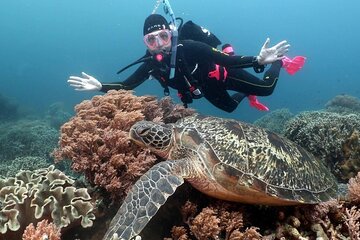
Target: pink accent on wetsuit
pixel 159 57
pixel 216 73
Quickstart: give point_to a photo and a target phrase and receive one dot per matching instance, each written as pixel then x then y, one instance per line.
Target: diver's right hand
pixel 85 83
pixel 271 54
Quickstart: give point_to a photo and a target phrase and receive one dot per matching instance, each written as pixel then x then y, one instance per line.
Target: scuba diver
pixel 192 68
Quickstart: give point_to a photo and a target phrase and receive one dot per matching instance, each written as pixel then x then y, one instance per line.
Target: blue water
pixel 42 42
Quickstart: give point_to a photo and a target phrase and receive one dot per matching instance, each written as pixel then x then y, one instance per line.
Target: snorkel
pixel 174 32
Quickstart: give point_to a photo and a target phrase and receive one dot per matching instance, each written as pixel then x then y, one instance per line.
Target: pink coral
pixel 96 139
pixel 352 217
pixel 354 189
pixel 43 230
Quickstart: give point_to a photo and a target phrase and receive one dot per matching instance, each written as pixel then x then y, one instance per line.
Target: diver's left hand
pixel 272 54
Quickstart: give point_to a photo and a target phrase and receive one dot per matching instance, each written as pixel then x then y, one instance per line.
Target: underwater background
pixel 73 148
pixel 43 42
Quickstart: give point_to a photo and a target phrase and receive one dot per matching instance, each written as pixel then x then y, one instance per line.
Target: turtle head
pixel 157 137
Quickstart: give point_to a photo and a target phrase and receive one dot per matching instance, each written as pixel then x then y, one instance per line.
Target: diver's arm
pixel 266 55
pixel 134 80
pixel 200 51
pixel 89 83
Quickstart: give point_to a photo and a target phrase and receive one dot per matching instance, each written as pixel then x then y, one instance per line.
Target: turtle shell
pixel 250 161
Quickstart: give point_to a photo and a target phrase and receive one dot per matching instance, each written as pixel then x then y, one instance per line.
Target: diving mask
pixel 157 39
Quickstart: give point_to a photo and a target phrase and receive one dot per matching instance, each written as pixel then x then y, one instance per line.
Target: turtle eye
pixel 143 131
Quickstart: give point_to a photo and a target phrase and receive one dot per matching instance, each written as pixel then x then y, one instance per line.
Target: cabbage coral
pixel 42 194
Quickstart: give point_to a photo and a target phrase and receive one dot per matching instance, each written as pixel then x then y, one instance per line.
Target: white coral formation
pixel 45 193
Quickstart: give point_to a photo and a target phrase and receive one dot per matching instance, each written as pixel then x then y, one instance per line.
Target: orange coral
pixel 43 230
pixel 96 139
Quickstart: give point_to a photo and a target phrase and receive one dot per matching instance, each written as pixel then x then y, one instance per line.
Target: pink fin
pixel 254 102
pixel 293 65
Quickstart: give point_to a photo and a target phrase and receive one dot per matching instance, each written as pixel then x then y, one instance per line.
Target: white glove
pixel 85 83
pixel 270 55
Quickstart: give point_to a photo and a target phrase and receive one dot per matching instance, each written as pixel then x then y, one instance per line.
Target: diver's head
pixel 157 34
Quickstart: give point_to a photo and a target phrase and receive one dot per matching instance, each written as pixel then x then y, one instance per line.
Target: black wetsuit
pixel 194 61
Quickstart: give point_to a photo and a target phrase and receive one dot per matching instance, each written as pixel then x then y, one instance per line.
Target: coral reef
pixel 26 145
pixel 218 220
pixel 43 230
pixel 224 220
pixel 350 165
pixel 11 168
pixel 343 104
pixel 275 121
pixel 96 139
pixel 46 193
pixel 27 138
pixel 328 220
pixel 324 135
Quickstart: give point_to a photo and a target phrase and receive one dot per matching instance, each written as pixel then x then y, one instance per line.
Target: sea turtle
pixel 225 159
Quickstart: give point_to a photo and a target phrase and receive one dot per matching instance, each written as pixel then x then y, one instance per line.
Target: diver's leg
pixel 242 81
pixel 221 99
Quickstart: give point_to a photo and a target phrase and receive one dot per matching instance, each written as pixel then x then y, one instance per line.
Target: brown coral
pixel 179 233
pixel 96 139
pixel 206 224
pixel 216 220
pixel 249 234
pixel 43 230
pixel 230 220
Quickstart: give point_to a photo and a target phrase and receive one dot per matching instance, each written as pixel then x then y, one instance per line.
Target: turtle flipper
pixel 145 198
